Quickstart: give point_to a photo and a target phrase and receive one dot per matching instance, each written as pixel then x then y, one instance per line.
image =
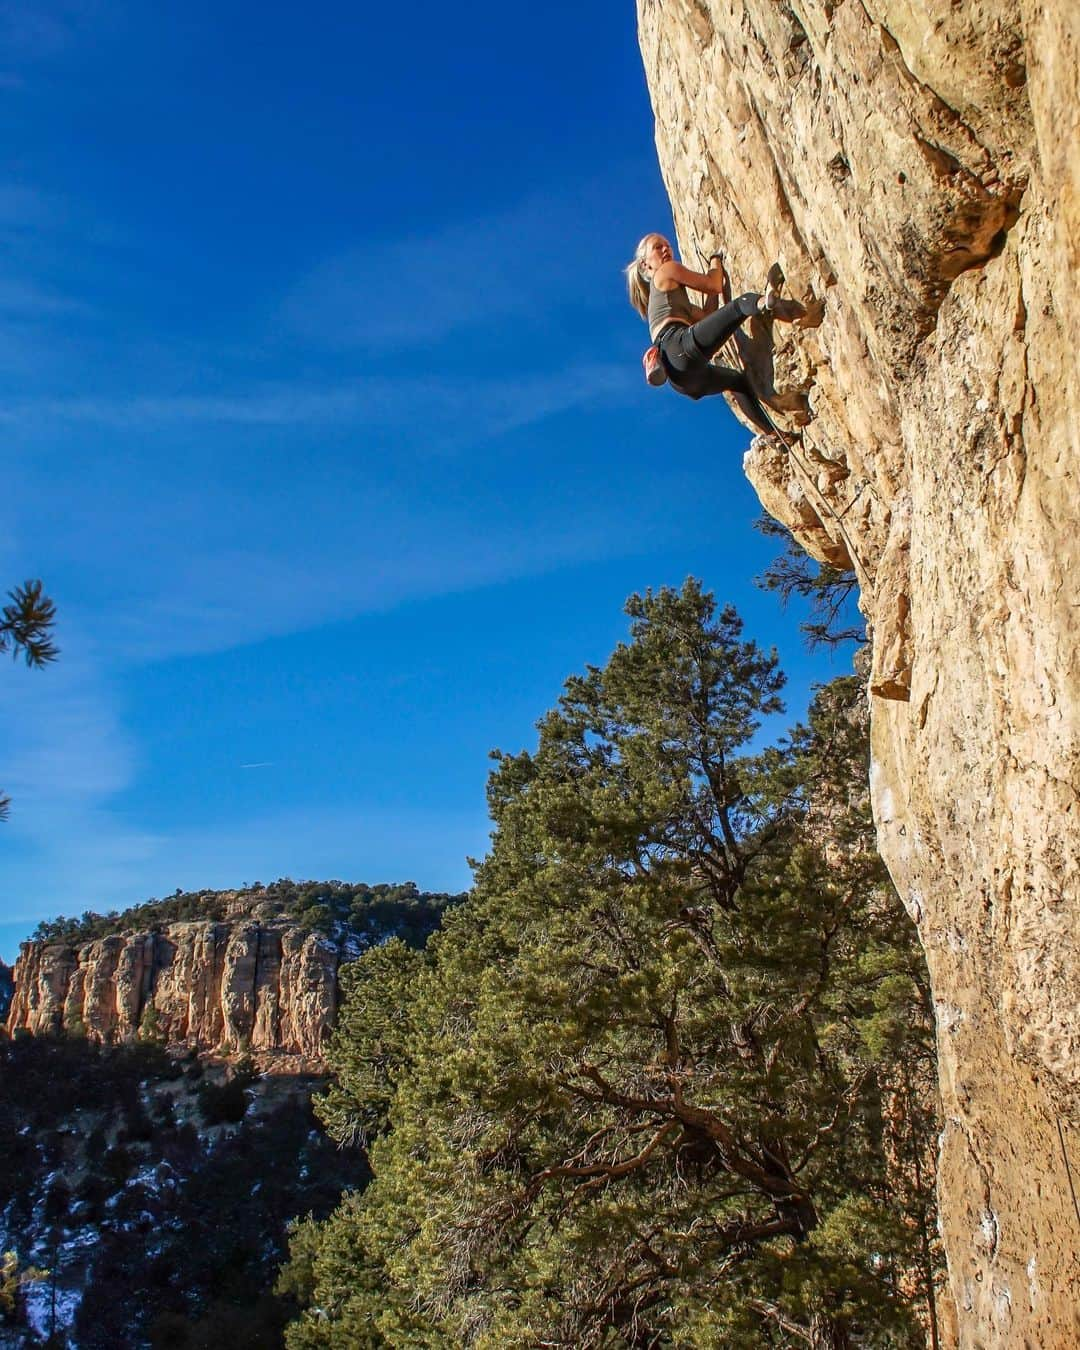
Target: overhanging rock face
pixel 915 166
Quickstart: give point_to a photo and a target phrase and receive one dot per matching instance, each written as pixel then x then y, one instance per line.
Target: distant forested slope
pixel 324 906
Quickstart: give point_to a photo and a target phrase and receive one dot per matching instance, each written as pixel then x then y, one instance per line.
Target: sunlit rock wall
pixel 915 166
pixel 269 988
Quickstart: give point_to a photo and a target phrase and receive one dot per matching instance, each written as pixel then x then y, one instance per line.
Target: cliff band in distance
pixel 263 987
pixel 916 167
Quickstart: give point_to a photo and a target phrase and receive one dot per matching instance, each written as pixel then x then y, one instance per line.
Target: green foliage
pixel 371 1041
pixel 14 1277
pixel 831 592
pixel 149 1025
pixel 225 1102
pixel 317 918
pixel 26 624
pixel 634 1092
pixel 178 1242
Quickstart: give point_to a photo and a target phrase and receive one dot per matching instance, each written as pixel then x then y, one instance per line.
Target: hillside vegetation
pixel 324 906
pixel 665 1079
pixel 146 1199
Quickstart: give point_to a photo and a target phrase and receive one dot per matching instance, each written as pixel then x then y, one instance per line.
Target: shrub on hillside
pixel 224 1103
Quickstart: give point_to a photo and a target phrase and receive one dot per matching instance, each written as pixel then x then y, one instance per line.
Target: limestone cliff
pixel 268 986
pixel 916 169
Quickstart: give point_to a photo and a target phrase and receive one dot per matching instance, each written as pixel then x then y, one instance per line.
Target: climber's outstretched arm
pixel 672 274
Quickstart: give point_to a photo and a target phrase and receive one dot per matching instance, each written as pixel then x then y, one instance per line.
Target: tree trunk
pixel 826 1333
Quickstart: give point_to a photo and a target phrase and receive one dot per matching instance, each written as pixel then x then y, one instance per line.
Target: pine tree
pixel 370 1041
pixel 633 1093
pixel 26 630
pixel 830 592
pixel 150 1028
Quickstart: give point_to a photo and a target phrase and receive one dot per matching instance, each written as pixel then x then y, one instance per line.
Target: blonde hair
pixel 637 284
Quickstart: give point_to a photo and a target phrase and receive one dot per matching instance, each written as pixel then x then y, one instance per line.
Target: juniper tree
pixel 632 1094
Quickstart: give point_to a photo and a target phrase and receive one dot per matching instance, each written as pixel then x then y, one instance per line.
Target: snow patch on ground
pixel 86 1238
pixel 39 1307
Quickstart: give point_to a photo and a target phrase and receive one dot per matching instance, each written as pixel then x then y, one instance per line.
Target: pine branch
pixel 828 590
pixel 25 625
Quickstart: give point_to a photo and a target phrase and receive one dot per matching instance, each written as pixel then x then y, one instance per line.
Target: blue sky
pixel 322 420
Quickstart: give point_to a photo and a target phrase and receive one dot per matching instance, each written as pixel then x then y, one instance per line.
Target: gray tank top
pixel 665 306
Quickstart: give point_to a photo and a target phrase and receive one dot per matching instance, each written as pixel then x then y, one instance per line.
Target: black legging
pixel 687 349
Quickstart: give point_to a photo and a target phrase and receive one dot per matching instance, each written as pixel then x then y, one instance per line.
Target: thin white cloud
pixel 23 298
pixel 67 757
pixel 475 407
pixel 46 312
pixel 218 600
pixel 206 552
pixel 69 847
pixel 62 736
pixel 530 260
pixel 103 865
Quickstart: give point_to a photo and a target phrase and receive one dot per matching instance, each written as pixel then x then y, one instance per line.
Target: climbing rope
pixel 731 351
pixel 1068 1169
pixel 809 483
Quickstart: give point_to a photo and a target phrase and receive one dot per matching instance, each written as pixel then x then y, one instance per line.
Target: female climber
pixel 688 336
